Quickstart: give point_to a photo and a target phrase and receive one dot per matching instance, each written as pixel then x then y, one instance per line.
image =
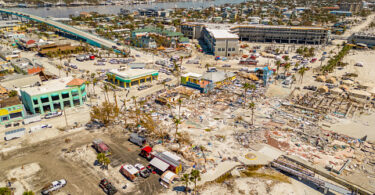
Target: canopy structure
pixel 168 177
pixel 159 164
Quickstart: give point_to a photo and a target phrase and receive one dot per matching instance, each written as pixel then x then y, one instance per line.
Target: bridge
pixel 85 36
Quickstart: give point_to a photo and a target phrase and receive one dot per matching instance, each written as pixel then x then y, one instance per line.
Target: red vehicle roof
pixel 103 147
pixel 29 42
pixel 147 149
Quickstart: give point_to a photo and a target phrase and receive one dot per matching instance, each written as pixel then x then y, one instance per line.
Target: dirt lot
pixel 82 176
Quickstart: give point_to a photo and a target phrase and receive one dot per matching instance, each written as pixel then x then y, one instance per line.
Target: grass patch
pixel 208 130
pixel 275 176
pixel 224 177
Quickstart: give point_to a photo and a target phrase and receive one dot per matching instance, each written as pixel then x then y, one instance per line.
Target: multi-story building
pixel 131 77
pixel 10 25
pixel 192 30
pixel 353 7
pixel 54 95
pixel 11 109
pixel 263 33
pixel 366 38
pixel 26 66
pixel 282 34
pixel 220 42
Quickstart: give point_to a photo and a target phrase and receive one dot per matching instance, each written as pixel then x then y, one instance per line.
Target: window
pixel 222 49
pixel 65 95
pixel 233 49
pixel 229 49
pixel 5 118
pixel 35 101
pixel 67 103
pixel 44 99
pixel 15 115
pixel 37 110
pixel 55 97
pixel 219 49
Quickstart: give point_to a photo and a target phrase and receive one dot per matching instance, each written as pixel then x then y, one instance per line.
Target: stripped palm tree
pixel 246 87
pixel 252 108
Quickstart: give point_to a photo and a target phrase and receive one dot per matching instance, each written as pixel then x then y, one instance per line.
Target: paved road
pixel 104 42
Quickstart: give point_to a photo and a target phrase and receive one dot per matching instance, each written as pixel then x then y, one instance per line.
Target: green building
pixel 54 95
pixel 11 109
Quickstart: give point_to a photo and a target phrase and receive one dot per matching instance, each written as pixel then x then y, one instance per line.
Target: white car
pixel 52 115
pixel 55 185
pixel 142 170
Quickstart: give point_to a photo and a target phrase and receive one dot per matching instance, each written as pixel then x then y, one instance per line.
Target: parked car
pixel 101 147
pixel 55 185
pixel 143 171
pixel 53 114
pixel 107 187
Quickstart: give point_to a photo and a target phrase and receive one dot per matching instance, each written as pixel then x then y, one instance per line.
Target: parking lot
pixel 59 161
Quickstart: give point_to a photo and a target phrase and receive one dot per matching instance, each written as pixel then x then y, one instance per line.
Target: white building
pixel 220 42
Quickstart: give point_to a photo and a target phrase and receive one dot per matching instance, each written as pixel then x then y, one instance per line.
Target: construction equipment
pixel 107 187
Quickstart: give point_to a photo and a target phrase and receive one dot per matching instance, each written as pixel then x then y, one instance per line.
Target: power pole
pixel 66 120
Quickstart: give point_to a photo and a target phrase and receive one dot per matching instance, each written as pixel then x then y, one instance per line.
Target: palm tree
pixel 286 68
pixel 176 122
pixel 59 67
pixel 252 87
pixel 88 84
pixel 28 193
pixel 164 83
pixel 106 162
pixel 194 177
pixel 301 72
pixel 202 148
pixel 252 107
pixel 179 107
pixel 277 66
pixel 186 180
pixel 245 86
pixel 105 89
pixel 100 158
pixel 114 94
pixel 207 66
pixel 94 81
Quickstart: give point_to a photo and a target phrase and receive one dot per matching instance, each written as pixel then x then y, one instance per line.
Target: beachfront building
pixel 220 42
pixel 207 81
pixel 354 7
pixel 262 33
pixel 282 34
pixel 192 30
pixel 11 109
pixel 54 95
pixel 131 77
pixel 367 38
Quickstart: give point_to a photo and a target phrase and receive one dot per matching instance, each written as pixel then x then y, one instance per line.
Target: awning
pixel 159 164
pixel 75 90
pixel 75 97
pixel 55 94
pixel 44 96
pixel 65 92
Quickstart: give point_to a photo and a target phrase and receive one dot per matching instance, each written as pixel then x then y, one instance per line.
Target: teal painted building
pixel 54 95
pixel 131 77
pixel 11 110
